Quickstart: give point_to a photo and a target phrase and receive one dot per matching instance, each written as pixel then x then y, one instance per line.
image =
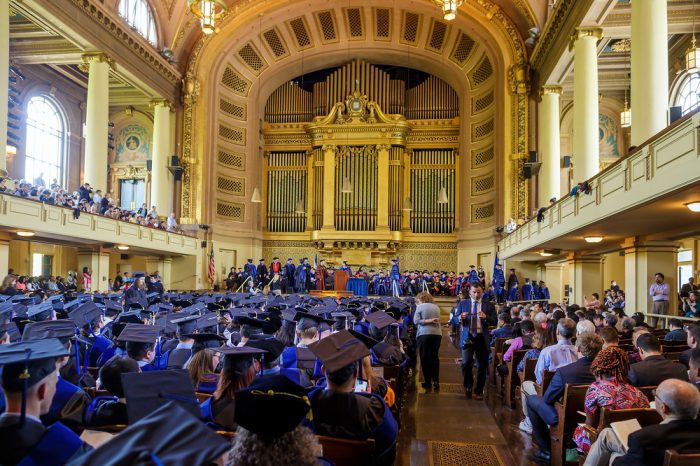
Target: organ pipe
pixel 431 170
pixel 286 184
pixel 356 211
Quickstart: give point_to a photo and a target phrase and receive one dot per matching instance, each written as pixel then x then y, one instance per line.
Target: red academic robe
pixel 321 274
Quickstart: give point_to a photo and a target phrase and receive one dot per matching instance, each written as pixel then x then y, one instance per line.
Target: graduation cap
pixel 208 320
pixel 85 314
pixel 168 435
pixel 275 398
pixel 27 363
pixel 39 312
pixel 240 357
pixel 267 326
pixel 186 324
pixel 368 341
pixel 115 296
pixel 145 392
pixel 205 340
pixel 130 317
pixel 339 350
pixel 380 319
pixel 140 333
pixel 60 329
pixel 22 299
pixel 272 346
pixel 192 308
pixel 166 323
pixel 139 275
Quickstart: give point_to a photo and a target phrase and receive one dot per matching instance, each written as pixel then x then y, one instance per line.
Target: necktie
pixel 472 319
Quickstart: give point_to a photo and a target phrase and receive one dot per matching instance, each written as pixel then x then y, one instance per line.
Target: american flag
pixel 211 273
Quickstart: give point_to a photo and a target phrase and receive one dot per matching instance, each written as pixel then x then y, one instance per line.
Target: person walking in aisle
pixel 428 336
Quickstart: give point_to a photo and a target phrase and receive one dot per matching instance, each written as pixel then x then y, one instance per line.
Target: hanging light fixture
pixel 407 204
pixel 256 196
pixel 692 55
pixel 626 113
pixel 449 8
pixel 347 186
pixel 299 207
pixel 209 12
pixel 442 196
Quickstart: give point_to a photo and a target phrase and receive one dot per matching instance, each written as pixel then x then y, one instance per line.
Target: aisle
pixel 446 429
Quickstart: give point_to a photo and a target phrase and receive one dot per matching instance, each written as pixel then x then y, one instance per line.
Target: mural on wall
pixel 608 136
pixel 133 145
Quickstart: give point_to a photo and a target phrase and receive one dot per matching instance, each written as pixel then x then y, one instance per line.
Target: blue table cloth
pixel 358 286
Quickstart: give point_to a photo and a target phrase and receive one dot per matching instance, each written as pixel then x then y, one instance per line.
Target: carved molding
pixel 583 32
pixel 554 27
pixel 96 57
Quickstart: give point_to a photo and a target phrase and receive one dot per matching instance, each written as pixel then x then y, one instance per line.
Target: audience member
pixel 676 331
pixel 654 368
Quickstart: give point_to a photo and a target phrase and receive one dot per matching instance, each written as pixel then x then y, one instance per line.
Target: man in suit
pixel 653 368
pixel 688 288
pixel 693 340
pixel 678 404
pixel 540 409
pixel 475 317
pixel 694 371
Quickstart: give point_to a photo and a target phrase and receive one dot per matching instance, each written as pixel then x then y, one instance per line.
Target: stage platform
pixel 338 294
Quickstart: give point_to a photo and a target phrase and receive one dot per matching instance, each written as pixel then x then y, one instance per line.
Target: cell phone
pixel 361 385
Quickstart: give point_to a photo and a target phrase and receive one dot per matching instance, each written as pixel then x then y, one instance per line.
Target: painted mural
pixel 608 134
pixel 133 145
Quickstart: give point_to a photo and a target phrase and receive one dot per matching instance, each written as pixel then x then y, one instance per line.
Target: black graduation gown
pixel 178 357
pixel 109 413
pixel 135 295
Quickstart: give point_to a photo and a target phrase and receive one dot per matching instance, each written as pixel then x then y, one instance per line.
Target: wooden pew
pixel 495 350
pixel 528 373
pixel 673 458
pixel 344 452
pixel 645 416
pixel 568 411
pixel 512 380
pixel 546 379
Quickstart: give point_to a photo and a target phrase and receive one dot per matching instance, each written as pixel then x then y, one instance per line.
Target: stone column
pixel 585 277
pixel 98 263
pixel 166 273
pixel 97 119
pixel 643 260
pixel 554 279
pixel 586 145
pixel 161 187
pixel 549 145
pixel 4 82
pixel 383 187
pixel 649 69
pixel 329 152
pixel 310 181
pixel 4 256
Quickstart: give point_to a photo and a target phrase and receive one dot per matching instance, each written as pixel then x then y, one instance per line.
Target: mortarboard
pixel 139 275
pixel 168 435
pixel 205 340
pixel 147 391
pixel 186 324
pixel 39 312
pixel 208 320
pixel 241 357
pixel 85 314
pixel 271 346
pixel 368 341
pixel 275 398
pixel 380 319
pixel 22 299
pixel 140 333
pixel 62 329
pixel 339 350
pixel 113 306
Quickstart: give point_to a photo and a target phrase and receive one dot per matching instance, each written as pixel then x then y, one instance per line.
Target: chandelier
pixel 449 8
pixel 209 11
pixel 692 55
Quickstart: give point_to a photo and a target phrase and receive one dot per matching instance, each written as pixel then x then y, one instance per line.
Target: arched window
pixel 687 96
pixel 46 141
pixel 139 15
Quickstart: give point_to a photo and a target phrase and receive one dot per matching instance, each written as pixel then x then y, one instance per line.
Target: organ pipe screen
pixel 286 191
pixel 356 210
pixel 432 170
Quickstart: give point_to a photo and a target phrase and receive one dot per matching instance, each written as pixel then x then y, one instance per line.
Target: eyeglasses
pixel 656 397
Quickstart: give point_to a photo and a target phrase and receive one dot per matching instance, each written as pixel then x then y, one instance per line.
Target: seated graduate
pixel 88 318
pixel 29 377
pixel 177 357
pixel 340 410
pixel 285 441
pixel 238 372
pixel 70 401
pixel 384 353
pixel 169 435
pixel 299 356
pixel 270 360
pixel 202 369
pixel 140 344
pixel 105 411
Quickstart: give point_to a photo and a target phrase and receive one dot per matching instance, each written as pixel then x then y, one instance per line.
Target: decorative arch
pixel 253 56
pixel 684 91
pixel 141 17
pixel 46 147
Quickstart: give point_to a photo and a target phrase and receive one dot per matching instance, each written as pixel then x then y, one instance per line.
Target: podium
pixel 340 280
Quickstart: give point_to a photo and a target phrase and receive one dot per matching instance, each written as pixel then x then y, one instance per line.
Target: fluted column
pixel 329 187
pixel 97 119
pixel 310 206
pixel 161 189
pixel 549 145
pixel 383 186
pixel 586 145
pixel 4 79
pixel 649 69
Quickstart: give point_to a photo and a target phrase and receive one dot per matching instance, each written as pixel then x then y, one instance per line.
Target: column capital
pixel 99 57
pixel 160 103
pixel 581 32
pixel 551 90
pixel 330 147
pixel 383 147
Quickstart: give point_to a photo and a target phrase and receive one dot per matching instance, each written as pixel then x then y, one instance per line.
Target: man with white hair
pixel 678 404
pixel 583 326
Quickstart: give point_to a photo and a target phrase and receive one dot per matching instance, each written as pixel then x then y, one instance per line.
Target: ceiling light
pixel 693 206
pixel 123 247
pixel 347 186
pixel 593 239
pixel 449 8
pixel 299 207
pixel 442 196
pixel 25 233
pixel 209 11
pixel 256 196
pixel 546 254
pixel 407 204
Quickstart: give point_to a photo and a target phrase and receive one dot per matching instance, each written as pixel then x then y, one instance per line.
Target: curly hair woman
pixel 611 390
